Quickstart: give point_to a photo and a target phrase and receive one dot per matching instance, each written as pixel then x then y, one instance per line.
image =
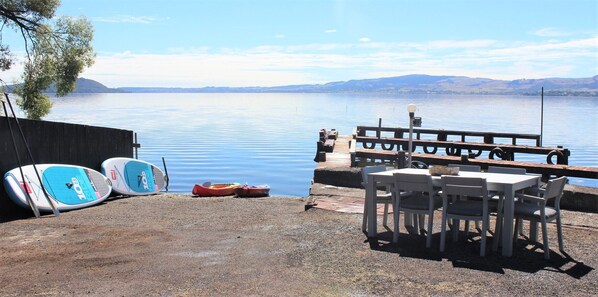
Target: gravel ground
pixel 177 245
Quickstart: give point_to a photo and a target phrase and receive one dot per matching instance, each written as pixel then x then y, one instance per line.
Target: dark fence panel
pixel 62 143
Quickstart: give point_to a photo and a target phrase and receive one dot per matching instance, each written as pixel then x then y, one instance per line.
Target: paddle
pixel 25 187
pixel 166 178
pixel 54 209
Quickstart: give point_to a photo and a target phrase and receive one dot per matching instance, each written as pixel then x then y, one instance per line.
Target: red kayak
pixel 252 191
pixel 209 190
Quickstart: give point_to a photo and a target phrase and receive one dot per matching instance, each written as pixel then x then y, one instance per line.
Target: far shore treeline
pixel 408 84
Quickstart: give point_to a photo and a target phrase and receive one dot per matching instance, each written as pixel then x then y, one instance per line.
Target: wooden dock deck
pixel 340 157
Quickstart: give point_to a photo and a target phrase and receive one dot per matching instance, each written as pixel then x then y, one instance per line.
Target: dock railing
pixel 457 143
pixel 389 145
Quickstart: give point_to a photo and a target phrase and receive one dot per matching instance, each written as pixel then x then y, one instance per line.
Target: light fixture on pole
pixel 411 109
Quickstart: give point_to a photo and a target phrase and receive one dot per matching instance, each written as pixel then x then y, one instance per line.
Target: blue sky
pixel 197 43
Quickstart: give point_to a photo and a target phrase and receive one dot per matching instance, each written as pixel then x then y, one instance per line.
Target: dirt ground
pixel 177 245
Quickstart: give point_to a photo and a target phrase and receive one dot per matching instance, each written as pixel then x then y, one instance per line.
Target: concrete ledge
pixel 341 177
pixel 580 198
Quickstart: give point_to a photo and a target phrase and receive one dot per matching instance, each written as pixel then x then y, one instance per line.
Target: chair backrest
pixel 464 186
pixel 405 182
pixel 370 169
pixel 472 168
pixel 508 170
pixel 554 189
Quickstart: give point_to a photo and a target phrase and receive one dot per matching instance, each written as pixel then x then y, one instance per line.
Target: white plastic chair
pixel 507 170
pixel 470 168
pixel 462 208
pixel 534 209
pixel 385 198
pixel 414 193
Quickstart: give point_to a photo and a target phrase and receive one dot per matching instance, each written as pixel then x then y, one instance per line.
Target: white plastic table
pixel 506 184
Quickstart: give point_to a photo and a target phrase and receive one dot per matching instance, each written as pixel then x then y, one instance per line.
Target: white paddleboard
pixel 133 177
pixel 68 186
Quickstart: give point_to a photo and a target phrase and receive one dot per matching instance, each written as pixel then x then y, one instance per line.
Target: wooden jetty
pixel 337 170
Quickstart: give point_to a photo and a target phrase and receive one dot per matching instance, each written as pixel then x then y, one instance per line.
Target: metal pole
pixel 411 116
pixel 542 116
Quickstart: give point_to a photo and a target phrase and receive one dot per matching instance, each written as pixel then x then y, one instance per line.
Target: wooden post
pixel 401 159
pixel 136 146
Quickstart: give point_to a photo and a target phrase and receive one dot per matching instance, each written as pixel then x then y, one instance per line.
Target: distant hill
pixel 408 84
pixel 83 85
pixel 414 84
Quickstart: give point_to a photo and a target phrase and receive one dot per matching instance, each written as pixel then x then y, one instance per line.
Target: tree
pixel 57 51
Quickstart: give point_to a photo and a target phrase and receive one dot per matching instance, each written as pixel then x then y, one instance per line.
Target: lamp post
pixel 411 109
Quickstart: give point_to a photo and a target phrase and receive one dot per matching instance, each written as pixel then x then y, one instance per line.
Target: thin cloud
pixel 320 63
pixel 330 31
pixel 364 39
pixel 279 36
pixel 549 32
pixel 130 19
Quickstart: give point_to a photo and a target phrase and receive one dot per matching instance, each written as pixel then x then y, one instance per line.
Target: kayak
pixel 252 191
pixel 208 189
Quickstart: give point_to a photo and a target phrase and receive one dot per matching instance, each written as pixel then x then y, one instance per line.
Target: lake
pixel 271 138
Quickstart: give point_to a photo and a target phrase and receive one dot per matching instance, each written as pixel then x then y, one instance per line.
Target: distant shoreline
pixel 400 85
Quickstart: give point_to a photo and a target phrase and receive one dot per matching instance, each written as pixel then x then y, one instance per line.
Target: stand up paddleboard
pixel 68 186
pixel 133 177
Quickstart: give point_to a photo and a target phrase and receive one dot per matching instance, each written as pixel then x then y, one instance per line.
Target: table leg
pixel 370 199
pixel 507 228
pixel 499 222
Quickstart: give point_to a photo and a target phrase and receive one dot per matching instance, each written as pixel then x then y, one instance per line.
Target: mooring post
pixel 136 145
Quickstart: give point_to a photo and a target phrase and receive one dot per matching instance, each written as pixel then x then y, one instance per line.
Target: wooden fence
pixel 62 143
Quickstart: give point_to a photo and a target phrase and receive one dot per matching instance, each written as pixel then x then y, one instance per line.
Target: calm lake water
pixel 271 138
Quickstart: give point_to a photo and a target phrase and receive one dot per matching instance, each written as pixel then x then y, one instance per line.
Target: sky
pixel 237 43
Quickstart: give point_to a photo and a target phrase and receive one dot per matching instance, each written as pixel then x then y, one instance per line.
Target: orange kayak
pixel 252 191
pixel 208 189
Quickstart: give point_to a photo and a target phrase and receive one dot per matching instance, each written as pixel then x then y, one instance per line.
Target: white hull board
pixel 133 177
pixel 68 186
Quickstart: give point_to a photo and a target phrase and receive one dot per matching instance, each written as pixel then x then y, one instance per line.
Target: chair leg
pixel 515 234
pixel 443 230
pixel 466 228
pixel 396 213
pixel 415 220
pixel 485 223
pixel 545 239
pixel 559 230
pixel 422 223
pixel 385 219
pixel 455 229
pixel 498 231
pixel 365 217
pixel 396 216
pixel 408 220
pixel 429 231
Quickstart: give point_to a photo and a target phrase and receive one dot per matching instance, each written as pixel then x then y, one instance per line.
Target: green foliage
pixel 58 49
